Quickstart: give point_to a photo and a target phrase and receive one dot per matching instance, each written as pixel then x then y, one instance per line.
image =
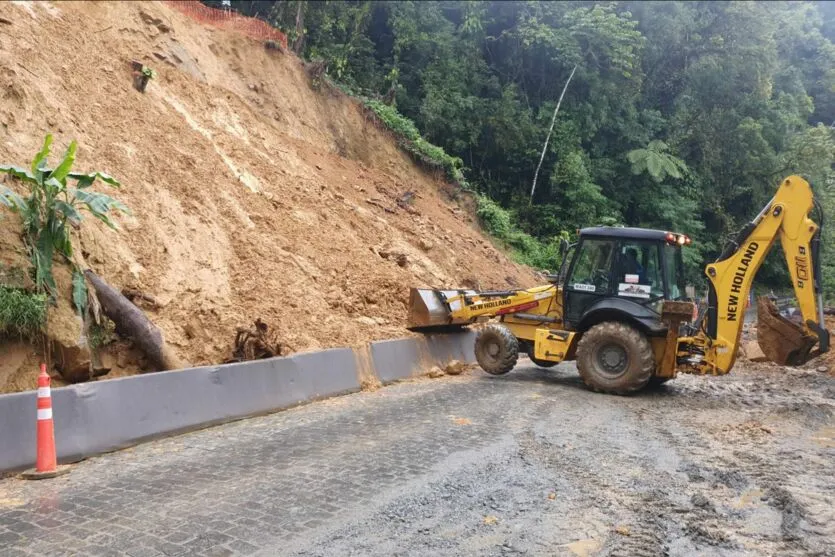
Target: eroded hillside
pixel 252 195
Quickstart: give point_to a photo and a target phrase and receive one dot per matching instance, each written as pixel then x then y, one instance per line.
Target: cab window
pixel 592 269
pixel 638 271
pixel 675 272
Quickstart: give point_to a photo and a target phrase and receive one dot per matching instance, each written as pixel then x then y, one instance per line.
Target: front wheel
pixel 496 349
pixel 615 358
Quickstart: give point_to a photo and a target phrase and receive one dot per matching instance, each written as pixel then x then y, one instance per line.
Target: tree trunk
pixel 298 44
pixel 131 322
pixel 550 130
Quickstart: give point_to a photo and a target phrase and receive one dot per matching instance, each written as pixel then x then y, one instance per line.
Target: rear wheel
pixel 615 358
pixel 496 349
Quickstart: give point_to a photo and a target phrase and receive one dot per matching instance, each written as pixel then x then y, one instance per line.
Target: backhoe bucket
pixel 429 310
pixel 781 340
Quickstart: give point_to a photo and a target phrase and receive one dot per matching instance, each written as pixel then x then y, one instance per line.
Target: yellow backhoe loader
pixel 618 305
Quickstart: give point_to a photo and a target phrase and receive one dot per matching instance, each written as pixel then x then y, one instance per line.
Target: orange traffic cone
pixel 46 464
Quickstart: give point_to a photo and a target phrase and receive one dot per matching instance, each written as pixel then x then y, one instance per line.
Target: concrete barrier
pixel 91 418
pixel 100 416
pixel 399 359
pixel 458 346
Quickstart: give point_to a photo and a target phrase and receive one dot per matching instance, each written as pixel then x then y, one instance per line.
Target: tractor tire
pixel 496 349
pixel 615 358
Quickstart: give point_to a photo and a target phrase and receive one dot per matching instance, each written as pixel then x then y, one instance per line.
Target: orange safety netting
pixel 250 26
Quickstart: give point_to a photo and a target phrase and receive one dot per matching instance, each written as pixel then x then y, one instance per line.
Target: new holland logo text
pixel 739 279
pixel 488 305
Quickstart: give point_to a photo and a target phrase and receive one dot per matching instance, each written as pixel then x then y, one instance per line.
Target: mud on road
pixel 738 465
pixel 528 463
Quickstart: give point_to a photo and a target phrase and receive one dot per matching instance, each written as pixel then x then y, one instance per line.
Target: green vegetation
pixel 497 221
pixel 99 335
pixel 50 206
pixel 414 143
pixel 524 248
pixel 681 115
pixel 21 313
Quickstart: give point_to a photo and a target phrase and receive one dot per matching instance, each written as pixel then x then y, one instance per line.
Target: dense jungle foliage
pixel 681 115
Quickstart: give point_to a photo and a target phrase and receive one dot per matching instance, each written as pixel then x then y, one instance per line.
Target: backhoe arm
pixel 785 217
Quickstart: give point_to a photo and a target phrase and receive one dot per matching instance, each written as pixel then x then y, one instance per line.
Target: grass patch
pixel 524 248
pixel 101 334
pixel 410 139
pixel 22 313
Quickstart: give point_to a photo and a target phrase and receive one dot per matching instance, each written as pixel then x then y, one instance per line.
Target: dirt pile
pixel 752 353
pixel 252 194
pixel 826 362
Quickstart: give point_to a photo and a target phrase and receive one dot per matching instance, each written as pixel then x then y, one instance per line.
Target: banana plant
pixel 53 202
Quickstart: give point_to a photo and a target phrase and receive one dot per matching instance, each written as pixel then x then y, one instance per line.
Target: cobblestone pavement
pixel 527 463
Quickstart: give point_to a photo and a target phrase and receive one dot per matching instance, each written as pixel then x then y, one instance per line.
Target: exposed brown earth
pixel 252 194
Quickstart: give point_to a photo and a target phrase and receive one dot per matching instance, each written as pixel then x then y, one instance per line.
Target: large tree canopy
pixel 681 115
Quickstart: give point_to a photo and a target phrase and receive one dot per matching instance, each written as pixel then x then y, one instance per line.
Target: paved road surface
pixel 528 463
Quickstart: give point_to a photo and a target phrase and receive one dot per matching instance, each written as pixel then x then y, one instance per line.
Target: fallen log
pixel 131 322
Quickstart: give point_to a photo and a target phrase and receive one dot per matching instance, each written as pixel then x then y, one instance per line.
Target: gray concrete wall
pixel 458 346
pixel 100 416
pixel 399 359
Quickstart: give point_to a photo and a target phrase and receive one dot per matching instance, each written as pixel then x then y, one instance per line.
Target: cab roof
pixel 624 232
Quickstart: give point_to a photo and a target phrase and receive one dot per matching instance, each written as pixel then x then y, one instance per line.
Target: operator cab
pixel 631 270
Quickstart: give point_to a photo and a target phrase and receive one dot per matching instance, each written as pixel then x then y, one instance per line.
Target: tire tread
pixel 510 345
pixel 630 335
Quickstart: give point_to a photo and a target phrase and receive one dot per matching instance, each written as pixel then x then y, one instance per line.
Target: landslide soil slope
pixel 251 194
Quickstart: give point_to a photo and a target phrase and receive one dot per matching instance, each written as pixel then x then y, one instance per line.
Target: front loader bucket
pixel 429 310
pixel 781 340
